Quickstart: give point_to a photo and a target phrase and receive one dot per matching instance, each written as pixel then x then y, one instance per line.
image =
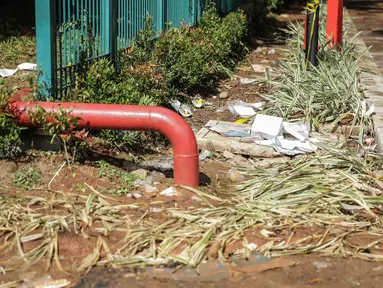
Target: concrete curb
pixel 371 81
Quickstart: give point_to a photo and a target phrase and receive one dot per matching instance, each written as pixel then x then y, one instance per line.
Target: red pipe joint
pixel 335 22
pixel 127 117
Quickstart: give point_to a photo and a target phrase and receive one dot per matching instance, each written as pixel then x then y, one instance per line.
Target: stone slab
pixel 210 140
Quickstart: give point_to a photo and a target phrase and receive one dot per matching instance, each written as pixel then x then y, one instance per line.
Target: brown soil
pixel 297 272
pixel 312 271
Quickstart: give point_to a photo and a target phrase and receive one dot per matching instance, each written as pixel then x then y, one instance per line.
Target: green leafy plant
pixel 10 133
pixel 28 180
pixel 61 125
pixel 116 176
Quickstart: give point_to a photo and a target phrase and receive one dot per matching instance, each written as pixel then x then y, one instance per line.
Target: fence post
pixel 335 21
pixel 160 23
pixel 113 18
pixel 46 45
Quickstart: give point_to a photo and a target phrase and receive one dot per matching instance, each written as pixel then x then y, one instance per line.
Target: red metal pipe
pixel 127 117
pixel 335 22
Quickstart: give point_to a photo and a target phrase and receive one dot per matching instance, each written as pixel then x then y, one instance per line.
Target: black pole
pixel 312 31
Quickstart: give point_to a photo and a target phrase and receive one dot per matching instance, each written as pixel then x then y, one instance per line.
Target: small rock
pixel 138 183
pixel 320 265
pixel 234 175
pixel 149 188
pixel 134 195
pixel 196 198
pixel 223 95
pixel 140 173
pixel 241 161
pixel 158 176
pixel 228 155
pixel 171 191
pixel 129 166
pixel 204 155
pixel 149 180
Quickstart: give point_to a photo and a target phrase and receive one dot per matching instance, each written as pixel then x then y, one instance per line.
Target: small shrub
pixel 61 125
pixel 10 141
pixel 185 58
pixel 28 180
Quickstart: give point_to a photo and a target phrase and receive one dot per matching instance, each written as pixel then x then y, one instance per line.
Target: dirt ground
pixel 77 182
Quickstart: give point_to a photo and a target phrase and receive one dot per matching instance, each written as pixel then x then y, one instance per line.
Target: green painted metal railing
pixel 73 32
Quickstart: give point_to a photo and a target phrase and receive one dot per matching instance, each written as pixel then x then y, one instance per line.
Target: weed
pixel 115 175
pixel 28 180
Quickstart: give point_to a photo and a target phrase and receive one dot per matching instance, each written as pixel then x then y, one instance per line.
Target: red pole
pixel 335 22
pixel 127 117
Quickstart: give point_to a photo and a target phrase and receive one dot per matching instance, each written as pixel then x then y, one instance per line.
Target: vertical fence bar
pixel 113 25
pixel 46 44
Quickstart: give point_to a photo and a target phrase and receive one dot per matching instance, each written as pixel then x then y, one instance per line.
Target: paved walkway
pixel 368 17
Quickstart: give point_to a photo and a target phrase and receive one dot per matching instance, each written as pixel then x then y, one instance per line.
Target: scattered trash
pixel 171 192
pixel 246 81
pixel 229 130
pixel 10 72
pixel 241 108
pixel 299 130
pixel 198 102
pixel 7 72
pixel 182 109
pixel 134 195
pixel 271 52
pixel 156 210
pixel 258 50
pixel 258 68
pixel 370 110
pixel 267 126
pixel 204 155
pixel 235 176
pixel 242 111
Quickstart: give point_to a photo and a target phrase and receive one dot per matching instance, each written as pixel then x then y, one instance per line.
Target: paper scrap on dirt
pixel 242 109
pixel 228 130
pixel 286 138
pixel 24 66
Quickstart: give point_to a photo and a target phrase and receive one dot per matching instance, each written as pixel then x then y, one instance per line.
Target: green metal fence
pixel 72 32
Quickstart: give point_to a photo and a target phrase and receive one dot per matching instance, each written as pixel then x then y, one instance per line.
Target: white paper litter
pixel 271 52
pixel 366 112
pixel 258 50
pixel 242 111
pixel 10 72
pixel 299 130
pixel 7 72
pixel 27 66
pixel 241 108
pixel 258 68
pixel 246 81
pixel 267 126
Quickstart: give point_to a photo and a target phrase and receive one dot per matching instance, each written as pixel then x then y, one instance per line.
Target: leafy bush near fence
pixel 187 60
pixel 10 141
